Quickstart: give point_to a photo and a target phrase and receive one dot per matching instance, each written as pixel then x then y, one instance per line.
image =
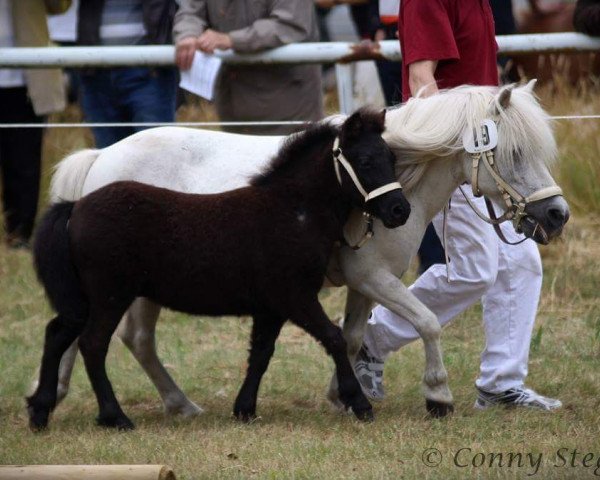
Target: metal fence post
pixel 345 87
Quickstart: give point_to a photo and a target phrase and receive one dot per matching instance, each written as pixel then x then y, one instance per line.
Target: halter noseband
pixel 340 159
pixel 515 202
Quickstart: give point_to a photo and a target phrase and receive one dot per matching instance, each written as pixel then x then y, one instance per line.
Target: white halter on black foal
pixel 339 159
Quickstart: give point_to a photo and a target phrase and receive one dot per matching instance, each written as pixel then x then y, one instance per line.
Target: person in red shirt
pixel 447 43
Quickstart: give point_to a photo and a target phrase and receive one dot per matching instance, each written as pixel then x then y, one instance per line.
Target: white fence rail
pixel 340 53
pixel 330 52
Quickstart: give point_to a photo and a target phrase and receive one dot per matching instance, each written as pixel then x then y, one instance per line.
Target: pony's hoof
pixel 366 416
pixel 38 417
pixel 185 410
pixel 245 415
pixel 120 423
pixel 38 420
pixel 438 409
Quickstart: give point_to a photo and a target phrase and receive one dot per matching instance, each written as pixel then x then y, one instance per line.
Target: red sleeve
pixel 425 29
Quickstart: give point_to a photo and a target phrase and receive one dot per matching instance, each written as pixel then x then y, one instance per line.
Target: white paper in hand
pixel 200 79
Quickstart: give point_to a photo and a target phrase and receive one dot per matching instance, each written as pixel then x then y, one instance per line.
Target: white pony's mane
pixel 424 129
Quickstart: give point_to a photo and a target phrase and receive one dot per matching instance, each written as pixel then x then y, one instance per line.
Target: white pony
pixel 426 137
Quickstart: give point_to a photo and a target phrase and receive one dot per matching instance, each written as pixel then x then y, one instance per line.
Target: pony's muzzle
pixel 392 209
pixel 545 219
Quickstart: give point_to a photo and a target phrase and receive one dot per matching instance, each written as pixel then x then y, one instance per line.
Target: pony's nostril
pixel 397 211
pixel 557 216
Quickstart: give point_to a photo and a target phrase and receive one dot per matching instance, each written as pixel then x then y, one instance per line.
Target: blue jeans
pixel 136 94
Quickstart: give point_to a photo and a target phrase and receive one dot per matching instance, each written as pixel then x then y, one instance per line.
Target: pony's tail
pixel 70 174
pixel 54 264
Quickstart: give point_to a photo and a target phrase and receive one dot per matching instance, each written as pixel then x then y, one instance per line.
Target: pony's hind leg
pixel 313 320
pixel 64 373
pixel 136 330
pixel 59 335
pixel 265 330
pixel 356 314
pixel 65 370
pixel 93 344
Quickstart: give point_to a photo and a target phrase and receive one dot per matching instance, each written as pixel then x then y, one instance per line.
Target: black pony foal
pixel 260 250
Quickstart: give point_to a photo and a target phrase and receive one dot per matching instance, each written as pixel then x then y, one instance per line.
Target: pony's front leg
pixel 313 320
pixel 390 292
pixel 358 308
pixel 265 330
pixel 137 331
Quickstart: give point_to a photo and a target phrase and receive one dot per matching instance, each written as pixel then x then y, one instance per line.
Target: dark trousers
pixel 390 77
pixel 431 250
pixel 133 94
pixel 20 159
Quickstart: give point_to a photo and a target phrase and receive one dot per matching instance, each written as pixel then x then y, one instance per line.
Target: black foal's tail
pixel 54 265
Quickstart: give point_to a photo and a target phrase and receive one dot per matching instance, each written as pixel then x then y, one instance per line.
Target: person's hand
pixel 184 52
pixel 211 40
pixel 379 35
pixel 546 11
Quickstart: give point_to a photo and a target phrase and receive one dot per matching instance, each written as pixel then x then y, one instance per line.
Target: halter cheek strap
pixel 515 202
pixel 339 159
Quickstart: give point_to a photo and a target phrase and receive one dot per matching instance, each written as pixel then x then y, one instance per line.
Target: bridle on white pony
pixel 339 159
pixel 481 149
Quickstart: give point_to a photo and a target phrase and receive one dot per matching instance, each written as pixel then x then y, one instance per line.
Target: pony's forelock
pixel 423 129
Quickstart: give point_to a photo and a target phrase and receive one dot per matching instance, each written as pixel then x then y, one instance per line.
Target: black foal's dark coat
pixel 260 250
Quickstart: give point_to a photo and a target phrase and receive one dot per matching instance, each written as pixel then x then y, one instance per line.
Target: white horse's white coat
pixel 425 135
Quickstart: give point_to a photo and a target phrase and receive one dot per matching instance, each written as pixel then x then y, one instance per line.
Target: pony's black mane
pixel 306 145
pixel 300 147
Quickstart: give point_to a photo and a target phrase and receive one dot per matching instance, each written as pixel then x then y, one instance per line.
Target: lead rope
pixel 496 225
pixel 444 236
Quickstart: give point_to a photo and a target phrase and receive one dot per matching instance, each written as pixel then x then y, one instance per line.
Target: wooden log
pixel 86 472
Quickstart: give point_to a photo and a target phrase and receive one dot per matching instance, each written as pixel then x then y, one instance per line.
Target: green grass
pixel 297 434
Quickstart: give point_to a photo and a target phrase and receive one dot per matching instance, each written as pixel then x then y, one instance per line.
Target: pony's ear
pixel 353 126
pixel 502 100
pixel 364 119
pixel 531 85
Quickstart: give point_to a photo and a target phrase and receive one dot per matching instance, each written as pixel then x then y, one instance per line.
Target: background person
pixel 63 31
pixel 446 44
pixel 254 93
pixel 371 25
pixel 586 18
pixel 126 94
pixel 26 96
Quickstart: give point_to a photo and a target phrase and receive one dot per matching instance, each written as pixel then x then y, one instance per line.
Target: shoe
pixel 369 373
pixel 516 397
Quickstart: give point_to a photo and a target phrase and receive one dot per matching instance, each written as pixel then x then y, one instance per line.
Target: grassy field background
pixel 297 434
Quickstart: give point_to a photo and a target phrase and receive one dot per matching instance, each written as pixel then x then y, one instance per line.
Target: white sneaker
pixel 516 397
pixel 369 373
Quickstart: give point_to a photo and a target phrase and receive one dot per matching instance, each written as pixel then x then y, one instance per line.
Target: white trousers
pixel 506 278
